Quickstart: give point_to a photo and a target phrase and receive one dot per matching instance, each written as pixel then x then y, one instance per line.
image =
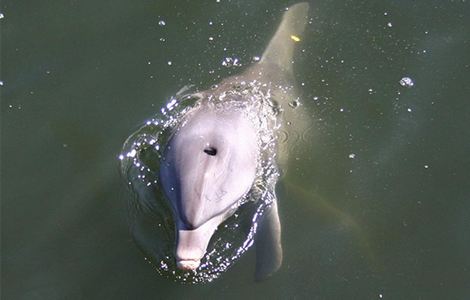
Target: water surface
pixel 375 207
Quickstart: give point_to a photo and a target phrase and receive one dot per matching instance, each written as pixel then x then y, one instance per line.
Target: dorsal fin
pixel 281 47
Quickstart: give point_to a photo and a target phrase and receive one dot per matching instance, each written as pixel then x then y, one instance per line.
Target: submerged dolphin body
pixel 212 159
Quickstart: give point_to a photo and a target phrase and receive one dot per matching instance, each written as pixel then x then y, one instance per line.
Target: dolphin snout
pixel 189 251
pixel 192 244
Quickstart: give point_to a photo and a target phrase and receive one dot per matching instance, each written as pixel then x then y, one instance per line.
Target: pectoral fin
pixel 268 244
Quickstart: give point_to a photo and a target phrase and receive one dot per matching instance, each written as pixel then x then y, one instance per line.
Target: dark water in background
pixel 377 207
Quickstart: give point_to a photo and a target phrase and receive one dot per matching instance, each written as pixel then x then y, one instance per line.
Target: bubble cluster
pixel 231 62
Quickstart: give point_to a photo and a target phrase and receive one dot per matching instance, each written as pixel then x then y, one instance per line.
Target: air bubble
pixel 407 82
pixel 295 103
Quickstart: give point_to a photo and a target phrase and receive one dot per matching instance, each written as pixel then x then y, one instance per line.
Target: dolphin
pixel 212 158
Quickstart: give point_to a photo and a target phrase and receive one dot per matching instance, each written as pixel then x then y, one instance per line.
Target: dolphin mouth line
pixel 188 264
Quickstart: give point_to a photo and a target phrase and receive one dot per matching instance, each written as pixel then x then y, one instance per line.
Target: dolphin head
pixel 208 166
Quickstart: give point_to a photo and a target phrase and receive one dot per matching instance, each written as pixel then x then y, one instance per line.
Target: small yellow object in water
pixel 295 38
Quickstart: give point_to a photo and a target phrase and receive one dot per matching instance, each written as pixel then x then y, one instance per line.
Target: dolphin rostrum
pixel 221 153
pixel 211 161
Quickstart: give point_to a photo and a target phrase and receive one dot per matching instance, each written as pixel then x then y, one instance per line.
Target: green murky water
pixel 376 206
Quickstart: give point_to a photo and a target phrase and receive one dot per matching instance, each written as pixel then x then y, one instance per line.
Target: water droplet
pixel 132 153
pixel 231 62
pixel 406 82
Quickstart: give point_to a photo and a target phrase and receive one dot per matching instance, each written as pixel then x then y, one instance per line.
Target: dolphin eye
pixel 210 151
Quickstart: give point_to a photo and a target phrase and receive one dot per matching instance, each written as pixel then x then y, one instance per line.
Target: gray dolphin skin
pixel 212 158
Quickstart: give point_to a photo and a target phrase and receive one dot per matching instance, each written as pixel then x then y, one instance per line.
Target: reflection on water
pixel 389 222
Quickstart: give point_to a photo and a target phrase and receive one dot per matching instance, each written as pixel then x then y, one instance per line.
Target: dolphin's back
pixel 280 49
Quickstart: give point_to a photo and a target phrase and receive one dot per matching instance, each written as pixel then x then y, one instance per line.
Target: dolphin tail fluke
pixel 281 47
pixel 268 244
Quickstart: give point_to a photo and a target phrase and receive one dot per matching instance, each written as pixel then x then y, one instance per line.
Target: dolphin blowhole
pixel 212 151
